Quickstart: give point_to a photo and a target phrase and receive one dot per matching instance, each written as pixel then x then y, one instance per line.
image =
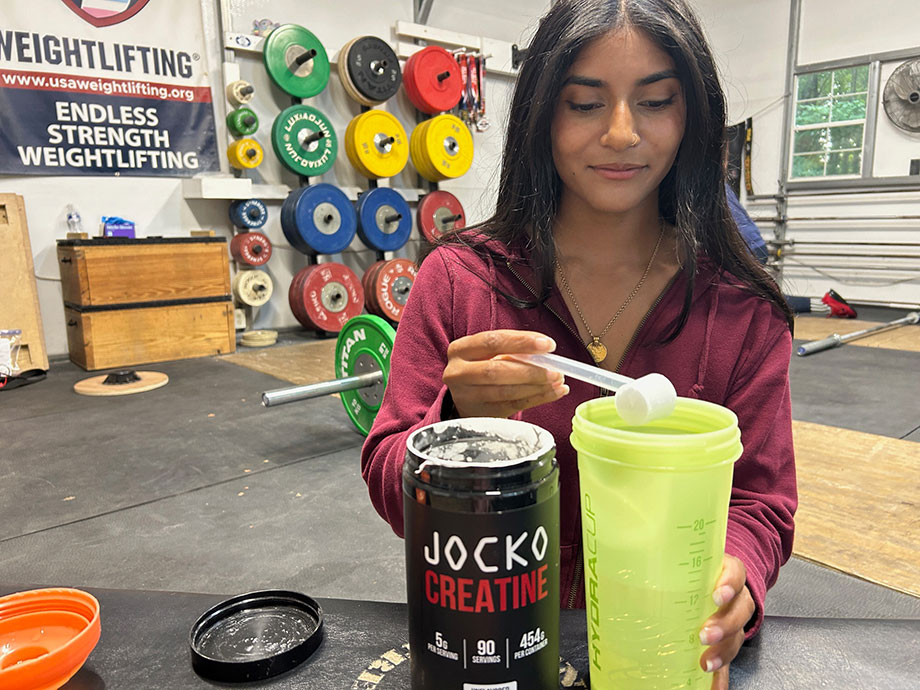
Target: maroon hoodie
pixel 734 350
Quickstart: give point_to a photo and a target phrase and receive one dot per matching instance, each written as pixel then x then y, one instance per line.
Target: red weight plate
pixel 392 283
pixel 295 299
pixel 330 295
pixel 252 248
pixel 300 311
pixel 435 211
pixel 367 282
pixel 370 298
pixel 433 81
pixel 375 305
pixel 409 80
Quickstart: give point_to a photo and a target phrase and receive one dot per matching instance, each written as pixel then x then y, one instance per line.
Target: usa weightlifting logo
pixel 105 12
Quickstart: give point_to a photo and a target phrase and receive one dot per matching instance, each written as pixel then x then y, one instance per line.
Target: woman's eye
pixel 583 107
pixel 657 105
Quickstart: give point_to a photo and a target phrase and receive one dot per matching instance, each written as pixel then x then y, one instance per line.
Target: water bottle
pixel 74 222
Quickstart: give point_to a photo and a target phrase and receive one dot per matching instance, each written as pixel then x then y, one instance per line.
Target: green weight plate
pixel 296 61
pixel 296 140
pixel 364 345
pixel 242 122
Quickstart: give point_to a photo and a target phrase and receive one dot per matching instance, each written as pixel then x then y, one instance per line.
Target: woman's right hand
pixel 484 383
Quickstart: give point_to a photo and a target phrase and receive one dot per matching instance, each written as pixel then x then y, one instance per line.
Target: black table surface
pixel 144 644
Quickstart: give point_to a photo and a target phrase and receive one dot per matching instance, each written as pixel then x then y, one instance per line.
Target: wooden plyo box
pixel 130 302
pixel 109 271
pixel 125 337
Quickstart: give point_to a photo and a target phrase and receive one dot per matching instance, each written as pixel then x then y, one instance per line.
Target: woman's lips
pixel 617 172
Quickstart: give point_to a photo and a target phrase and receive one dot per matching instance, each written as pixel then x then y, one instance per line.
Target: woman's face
pixel 618 123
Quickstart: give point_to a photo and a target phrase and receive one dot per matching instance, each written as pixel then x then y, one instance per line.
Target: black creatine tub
pixel 481 498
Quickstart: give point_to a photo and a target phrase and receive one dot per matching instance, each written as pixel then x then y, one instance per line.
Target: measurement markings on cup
pixel 694 564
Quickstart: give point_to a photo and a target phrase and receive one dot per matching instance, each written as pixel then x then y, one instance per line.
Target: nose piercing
pixel 635 140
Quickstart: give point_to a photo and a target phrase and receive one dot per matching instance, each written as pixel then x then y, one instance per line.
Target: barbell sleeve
pixel 819 345
pixel 835 339
pixel 282 396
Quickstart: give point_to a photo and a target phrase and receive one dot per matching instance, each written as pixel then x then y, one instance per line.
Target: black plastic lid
pixel 255 636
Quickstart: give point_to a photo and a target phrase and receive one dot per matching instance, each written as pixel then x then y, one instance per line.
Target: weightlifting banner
pixel 105 87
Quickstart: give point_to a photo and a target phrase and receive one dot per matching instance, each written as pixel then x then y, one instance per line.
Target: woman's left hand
pixel 724 630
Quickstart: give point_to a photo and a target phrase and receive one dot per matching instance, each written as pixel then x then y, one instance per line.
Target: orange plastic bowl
pixel 45 637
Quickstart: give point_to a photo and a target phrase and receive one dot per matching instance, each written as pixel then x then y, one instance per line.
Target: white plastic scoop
pixel 638 400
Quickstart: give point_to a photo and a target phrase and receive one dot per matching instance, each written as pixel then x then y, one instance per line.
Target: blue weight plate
pixel 384 219
pixel 233 211
pixel 289 222
pixel 320 219
pixel 248 213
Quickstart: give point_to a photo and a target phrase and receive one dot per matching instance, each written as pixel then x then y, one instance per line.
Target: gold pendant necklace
pixel 596 348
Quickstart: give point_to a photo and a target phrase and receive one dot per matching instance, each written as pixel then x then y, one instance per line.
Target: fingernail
pixel 562 389
pixel 723 595
pixel 710 635
pixel 713 664
pixel 545 343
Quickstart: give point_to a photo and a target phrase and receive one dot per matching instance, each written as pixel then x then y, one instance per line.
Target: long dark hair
pixel 691 195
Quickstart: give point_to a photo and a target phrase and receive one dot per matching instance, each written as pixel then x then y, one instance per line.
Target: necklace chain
pixel 595 346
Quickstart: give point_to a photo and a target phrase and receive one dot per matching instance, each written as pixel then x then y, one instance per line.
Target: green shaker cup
pixel 654 508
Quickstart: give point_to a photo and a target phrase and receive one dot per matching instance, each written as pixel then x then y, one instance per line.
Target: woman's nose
pixel 621 131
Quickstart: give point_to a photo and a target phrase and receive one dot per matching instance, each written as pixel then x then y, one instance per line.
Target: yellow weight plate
pixel 383 157
pixel 350 149
pixel 245 153
pixel 378 145
pixel 425 155
pixel 414 151
pixel 430 170
pixel 449 146
pixel 433 173
pixel 381 143
pixel 419 151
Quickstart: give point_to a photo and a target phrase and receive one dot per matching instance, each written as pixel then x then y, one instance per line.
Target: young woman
pixel 611 243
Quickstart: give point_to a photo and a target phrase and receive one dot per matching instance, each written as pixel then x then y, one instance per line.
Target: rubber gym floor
pixel 196 487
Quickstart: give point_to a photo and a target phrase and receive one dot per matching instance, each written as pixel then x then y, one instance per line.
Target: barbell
pixel 835 339
pixel 362 368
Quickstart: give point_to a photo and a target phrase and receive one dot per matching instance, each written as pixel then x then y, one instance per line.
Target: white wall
pixel 749 38
pixel 508 20
pixel 834 29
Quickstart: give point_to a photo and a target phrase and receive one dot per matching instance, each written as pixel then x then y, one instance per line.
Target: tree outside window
pixel 830 122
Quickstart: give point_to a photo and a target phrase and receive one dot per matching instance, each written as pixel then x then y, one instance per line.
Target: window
pixel 830 123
